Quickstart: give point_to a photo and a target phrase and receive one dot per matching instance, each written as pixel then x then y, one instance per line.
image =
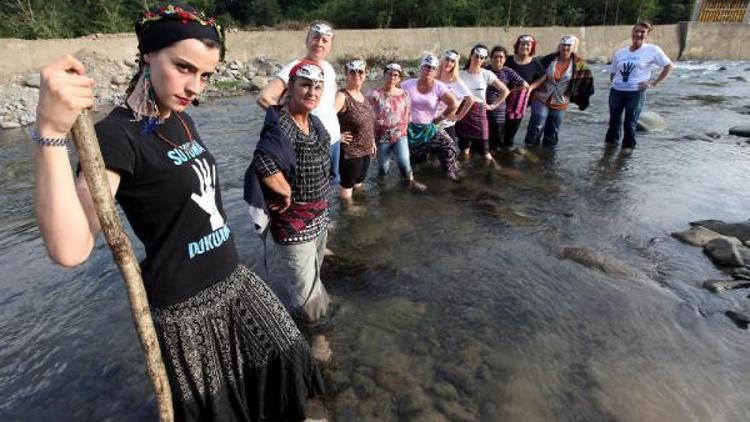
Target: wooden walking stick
pixel 92 166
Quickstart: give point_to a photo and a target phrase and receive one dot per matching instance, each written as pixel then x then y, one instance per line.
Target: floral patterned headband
pixel 166 24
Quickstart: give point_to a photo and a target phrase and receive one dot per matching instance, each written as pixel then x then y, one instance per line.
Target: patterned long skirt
pixel 233 353
pixel 440 144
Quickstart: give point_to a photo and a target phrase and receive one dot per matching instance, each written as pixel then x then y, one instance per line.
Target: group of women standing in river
pixel 449 111
pixel 233 348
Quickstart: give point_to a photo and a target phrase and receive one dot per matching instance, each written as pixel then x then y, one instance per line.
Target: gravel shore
pixel 19 93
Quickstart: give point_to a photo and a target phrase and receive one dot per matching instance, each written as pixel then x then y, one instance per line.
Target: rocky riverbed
pixel 18 93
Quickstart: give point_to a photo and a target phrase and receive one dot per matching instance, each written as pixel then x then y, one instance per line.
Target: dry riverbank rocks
pixel 18 93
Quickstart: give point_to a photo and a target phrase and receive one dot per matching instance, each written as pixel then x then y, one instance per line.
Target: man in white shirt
pixel 318 41
pixel 630 75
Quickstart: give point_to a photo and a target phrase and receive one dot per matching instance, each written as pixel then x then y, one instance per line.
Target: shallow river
pixel 459 303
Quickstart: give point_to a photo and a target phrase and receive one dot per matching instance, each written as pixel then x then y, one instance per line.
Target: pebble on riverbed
pixel 742 130
pixel 724 251
pixel 741 320
pixel 727 246
pixel 696 236
pixel 718 286
pixel 651 122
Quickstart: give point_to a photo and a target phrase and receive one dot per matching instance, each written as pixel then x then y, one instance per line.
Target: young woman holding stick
pixel 230 349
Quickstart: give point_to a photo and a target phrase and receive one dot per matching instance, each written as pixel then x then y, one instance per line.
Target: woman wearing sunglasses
pixel 473 130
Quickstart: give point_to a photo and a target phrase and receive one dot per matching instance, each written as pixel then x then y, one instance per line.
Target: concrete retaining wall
pixel 596 42
pixel 696 41
pixel 717 41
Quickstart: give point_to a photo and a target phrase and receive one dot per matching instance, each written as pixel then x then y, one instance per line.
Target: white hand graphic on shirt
pixel 207 197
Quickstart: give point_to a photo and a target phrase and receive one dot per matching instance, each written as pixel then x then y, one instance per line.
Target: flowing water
pixel 547 290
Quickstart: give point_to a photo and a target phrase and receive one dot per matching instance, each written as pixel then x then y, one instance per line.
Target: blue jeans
pixel 632 103
pixel 400 150
pixel 335 158
pixel 544 121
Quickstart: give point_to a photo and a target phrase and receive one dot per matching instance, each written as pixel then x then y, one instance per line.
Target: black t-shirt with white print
pixel 172 200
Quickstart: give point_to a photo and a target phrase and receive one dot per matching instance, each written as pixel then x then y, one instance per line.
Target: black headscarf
pixel 167 24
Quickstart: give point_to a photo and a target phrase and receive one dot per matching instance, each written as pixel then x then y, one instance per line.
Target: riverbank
pixel 254 56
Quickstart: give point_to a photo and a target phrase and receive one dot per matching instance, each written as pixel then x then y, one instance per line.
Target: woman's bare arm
pixel 63 206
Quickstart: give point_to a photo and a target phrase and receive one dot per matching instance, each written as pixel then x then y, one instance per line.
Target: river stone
pixel 345 405
pixel 259 82
pixel 459 376
pixel 651 122
pixel 33 80
pixel 696 236
pixel 742 130
pixel 741 320
pixel 741 273
pixel 724 251
pixel 336 382
pixel 412 401
pixel 429 415
pixel 704 137
pixel 266 67
pixel 739 230
pixel 598 260
pixel 455 412
pixel 120 80
pixel 444 390
pixel 718 286
pixel 7 124
pixel 745 254
pixel 363 385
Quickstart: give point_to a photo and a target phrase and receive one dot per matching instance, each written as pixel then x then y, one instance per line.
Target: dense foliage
pixel 70 18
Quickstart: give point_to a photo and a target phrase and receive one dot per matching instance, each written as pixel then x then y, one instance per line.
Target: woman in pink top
pixel 425 135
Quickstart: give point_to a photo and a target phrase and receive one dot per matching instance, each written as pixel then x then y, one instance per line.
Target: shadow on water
pixel 547 289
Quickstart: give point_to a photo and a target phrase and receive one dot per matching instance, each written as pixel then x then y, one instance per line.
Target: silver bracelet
pixel 49 142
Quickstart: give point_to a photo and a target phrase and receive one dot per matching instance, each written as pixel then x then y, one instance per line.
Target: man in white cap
pixel 318 42
pixel 630 74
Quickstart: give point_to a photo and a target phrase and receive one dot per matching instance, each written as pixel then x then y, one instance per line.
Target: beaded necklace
pixel 184 126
